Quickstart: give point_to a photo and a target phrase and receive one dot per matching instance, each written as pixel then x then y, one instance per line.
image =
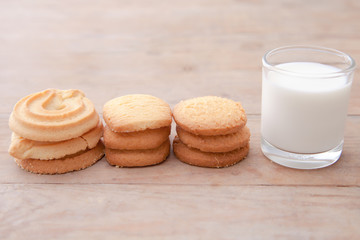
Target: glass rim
pixel 348 58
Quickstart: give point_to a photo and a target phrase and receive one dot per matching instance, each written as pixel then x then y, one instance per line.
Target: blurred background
pixel 172 49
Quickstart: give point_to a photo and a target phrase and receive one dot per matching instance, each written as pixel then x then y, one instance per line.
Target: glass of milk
pixel 305 95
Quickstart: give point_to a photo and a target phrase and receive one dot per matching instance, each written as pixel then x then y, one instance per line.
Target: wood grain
pixel 178 212
pixel 174 50
pixel 256 169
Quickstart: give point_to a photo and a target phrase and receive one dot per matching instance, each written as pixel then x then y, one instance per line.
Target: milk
pixel 304 114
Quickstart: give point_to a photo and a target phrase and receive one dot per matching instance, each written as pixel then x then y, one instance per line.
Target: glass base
pixel 301 161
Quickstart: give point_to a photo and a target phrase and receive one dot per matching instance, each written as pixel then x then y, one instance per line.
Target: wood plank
pixel 110 211
pixel 171 87
pixel 256 169
pixel 172 50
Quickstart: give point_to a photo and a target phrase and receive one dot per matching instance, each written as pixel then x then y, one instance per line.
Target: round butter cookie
pixel 218 143
pixel 138 158
pixel 69 163
pixel 210 115
pixel 53 115
pixel 147 139
pixel 23 148
pixel 136 112
pixel 196 157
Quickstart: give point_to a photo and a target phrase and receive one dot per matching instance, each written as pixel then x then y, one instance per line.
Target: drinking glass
pixel 305 96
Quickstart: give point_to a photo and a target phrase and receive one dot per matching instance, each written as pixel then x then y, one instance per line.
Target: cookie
pixel 136 112
pixel 196 157
pixel 210 115
pixel 219 143
pixel 138 158
pixel 147 139
pixel 53 115
pixel 23 148
pixel 70 163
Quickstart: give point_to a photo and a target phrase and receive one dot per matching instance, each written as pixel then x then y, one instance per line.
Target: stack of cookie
pixel 137 130
pixel 211 132
pixel 55 131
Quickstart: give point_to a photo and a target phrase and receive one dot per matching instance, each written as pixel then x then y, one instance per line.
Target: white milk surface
pixel 304 115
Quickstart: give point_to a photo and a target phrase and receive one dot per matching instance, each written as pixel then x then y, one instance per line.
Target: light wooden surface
pixel 174 50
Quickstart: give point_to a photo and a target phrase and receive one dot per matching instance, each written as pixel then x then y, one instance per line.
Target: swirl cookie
pixel 137 130
pixel 210 115
pixel 138 158
pixel 196 157
pixel 53 115
pixel 55 131
pixel 23 148
pixel 69 163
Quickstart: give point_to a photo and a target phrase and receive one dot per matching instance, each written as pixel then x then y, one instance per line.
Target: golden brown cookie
pixel 53 115
pixel 23 148
pixel 219 143
pixel 136 112
pixel 210 115
pixel 138 158
pixel 70 163
pixel 147 139
pixel 196 157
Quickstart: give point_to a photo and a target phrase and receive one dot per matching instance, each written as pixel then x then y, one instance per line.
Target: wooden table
pixel 174 50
